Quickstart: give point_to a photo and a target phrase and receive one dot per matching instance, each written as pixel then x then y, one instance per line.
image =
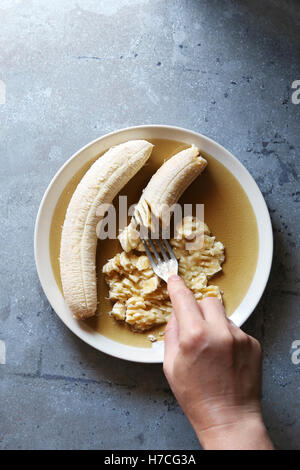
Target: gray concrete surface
pixel 77 69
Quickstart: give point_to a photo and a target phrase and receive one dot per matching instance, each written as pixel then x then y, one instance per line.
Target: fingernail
pixel 174 277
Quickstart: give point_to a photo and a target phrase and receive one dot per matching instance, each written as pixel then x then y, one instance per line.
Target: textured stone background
pixel 77 69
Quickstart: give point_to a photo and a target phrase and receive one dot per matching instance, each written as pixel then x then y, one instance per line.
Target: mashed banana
pixel 141 298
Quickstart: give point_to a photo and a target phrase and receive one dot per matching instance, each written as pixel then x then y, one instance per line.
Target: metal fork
pixel 164 263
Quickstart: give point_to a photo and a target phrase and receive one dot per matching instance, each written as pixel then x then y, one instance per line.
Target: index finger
pixel 185 306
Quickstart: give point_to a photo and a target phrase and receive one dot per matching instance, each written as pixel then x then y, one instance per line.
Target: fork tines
pixel 163 261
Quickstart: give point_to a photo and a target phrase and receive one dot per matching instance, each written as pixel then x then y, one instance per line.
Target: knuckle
pixel 226 340
pixel 248 341
pixel 244 339
pixel 239 336
pixel 185 345
pixel 192 341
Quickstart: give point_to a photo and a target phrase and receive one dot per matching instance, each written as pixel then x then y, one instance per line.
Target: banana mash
pixel 140 297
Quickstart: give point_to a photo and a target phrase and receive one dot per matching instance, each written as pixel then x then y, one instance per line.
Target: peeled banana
pixel 163 190
pixel 101 183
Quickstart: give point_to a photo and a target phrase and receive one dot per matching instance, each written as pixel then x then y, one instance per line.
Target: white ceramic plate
pixel 58 183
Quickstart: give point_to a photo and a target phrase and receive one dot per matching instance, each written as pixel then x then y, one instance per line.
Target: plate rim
pixel 133 353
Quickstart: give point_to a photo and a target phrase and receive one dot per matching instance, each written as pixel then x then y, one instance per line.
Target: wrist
pixel 240 433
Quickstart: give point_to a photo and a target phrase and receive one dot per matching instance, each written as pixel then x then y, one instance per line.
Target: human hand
pixel 214 370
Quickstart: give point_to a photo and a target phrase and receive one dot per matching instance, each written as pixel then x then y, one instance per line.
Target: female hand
pixel 214 370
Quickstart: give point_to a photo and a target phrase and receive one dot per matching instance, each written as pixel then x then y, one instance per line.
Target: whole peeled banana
pixel 100 184
pixel 163 190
